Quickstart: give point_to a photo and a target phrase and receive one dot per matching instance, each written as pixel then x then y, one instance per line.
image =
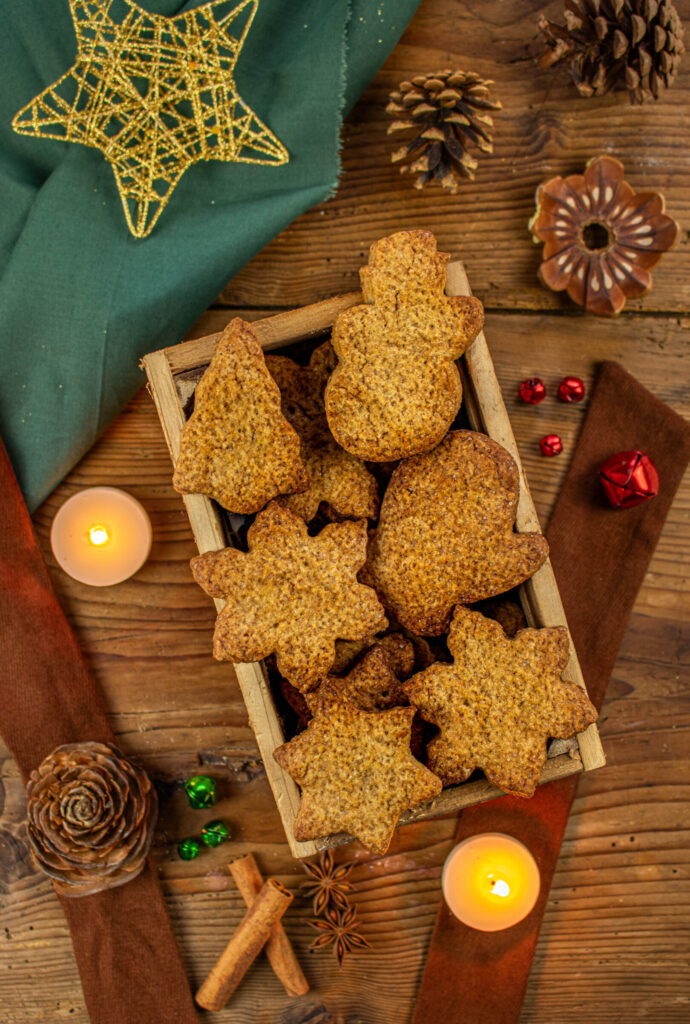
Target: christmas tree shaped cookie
pixel 396 389
pixel 291 595
pixel 445 533
pixel 334 476
pixel 356 772
pixel 499 702
pixel 236 446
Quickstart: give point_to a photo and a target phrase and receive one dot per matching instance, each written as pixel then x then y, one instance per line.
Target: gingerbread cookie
pixel 334 476
pixel 396 389
pixel 370 685
pixel 356 773
pixel 399 652
pixel 290 594
pixel 237 447
pixel 499 702
pixel 445 533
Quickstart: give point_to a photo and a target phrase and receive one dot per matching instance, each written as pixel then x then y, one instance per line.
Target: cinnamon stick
pixel 279 951
pixel 244 946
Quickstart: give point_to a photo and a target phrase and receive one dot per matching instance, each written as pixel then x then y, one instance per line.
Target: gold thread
pixel 155 95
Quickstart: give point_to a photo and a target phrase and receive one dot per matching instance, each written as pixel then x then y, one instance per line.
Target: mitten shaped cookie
pixel 445 533
pixel 396 389
pixel 237 447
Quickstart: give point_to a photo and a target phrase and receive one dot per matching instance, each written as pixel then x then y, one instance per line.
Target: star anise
pixel 339 928
pixel 328 885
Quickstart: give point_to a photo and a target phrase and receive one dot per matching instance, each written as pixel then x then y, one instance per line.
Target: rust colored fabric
pixel 130 966
pixel 600 557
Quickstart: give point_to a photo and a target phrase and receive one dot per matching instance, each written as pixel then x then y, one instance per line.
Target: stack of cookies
pixel 368 618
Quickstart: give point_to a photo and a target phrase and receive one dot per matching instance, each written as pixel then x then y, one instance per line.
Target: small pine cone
pixel 91 818
pixel 445 113
pixel 617 44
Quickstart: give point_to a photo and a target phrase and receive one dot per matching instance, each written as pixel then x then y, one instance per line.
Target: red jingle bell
pixel 571 389
pixel 551 445
pixel 629 478
pixel 532 390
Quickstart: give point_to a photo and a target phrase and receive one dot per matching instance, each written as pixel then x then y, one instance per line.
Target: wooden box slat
pixel 172 378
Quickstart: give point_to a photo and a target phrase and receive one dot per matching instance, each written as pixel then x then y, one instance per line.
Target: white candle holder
pixel 101 536
pixel 490 881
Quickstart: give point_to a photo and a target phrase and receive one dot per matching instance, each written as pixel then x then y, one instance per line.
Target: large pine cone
pixel 617 44
pixel 445 113
pixel 91 818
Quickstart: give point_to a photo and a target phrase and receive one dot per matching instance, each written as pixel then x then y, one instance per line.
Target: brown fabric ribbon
pixel 600 557
pixel 129 962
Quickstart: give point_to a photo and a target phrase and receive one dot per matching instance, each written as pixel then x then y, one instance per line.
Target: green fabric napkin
pixel 81 299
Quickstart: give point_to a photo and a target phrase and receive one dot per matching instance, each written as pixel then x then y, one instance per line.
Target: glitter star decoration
pixel 155 95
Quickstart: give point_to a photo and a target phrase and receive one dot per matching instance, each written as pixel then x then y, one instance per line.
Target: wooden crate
pixel 173 374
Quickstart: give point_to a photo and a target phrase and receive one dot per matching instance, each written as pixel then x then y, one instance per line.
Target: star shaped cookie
pixel 155 95
pixel 371 685
pixel 334 476
pixel 445 533
pixel 499 702
pixel 237 447
pixel 356 773
pixel 291 595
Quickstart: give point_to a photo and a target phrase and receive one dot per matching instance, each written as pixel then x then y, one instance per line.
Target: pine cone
pixel 617 44
pixel 446 113
pixel 91 818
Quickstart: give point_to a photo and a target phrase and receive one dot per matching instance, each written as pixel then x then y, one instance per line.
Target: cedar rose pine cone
pixel 91 818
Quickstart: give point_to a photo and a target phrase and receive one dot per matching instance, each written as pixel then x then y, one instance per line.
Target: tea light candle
pixel 101 536
pixel 490 881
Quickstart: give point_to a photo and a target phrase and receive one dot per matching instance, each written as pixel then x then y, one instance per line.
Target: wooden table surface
pixel 614 943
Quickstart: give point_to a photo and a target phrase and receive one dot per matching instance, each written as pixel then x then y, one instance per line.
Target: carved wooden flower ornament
pixel 600 237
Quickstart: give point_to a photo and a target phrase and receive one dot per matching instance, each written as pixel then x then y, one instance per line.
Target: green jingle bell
pixel 188 849
pixel 214 833
pixel 201 791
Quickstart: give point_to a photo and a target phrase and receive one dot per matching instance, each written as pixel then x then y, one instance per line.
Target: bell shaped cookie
pixel 498 703
pixel 237 447
pixel 291 595
pixel 445 533
pixel 396 388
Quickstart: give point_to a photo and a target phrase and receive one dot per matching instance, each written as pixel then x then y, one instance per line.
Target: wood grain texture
pixel 615 937
pixel 544 129
pixel 613 946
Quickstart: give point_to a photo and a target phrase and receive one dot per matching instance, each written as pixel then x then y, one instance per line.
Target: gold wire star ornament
pixel 155 95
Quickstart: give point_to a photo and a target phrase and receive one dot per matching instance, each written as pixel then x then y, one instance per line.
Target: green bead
pixel 201 791
pixel 214 833
pixel 188 849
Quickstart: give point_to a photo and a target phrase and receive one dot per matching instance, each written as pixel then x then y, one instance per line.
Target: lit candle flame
pixel 500 888
pixel 98 535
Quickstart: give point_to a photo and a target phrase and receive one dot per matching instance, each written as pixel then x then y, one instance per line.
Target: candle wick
pixel 500 888
pixel 98 535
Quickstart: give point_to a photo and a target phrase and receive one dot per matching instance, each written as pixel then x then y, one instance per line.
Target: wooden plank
pixel 544 129
pixel 544 606
pixel 271 332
